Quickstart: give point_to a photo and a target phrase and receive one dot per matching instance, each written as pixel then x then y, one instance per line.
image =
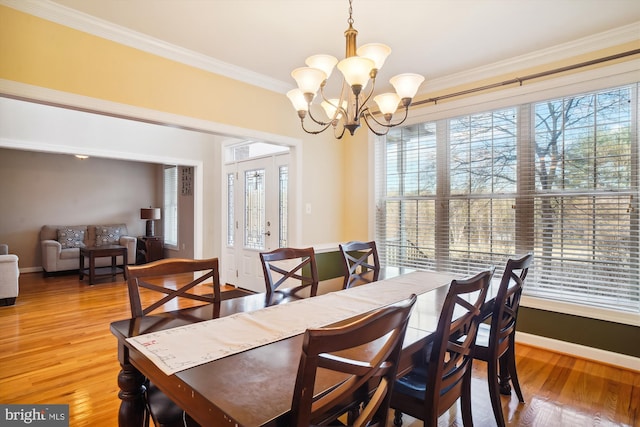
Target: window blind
pixel 558 178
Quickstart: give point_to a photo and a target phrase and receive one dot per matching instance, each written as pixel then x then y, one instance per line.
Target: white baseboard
pixel 582 351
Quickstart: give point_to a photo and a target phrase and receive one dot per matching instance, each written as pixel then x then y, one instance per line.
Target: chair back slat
pixel 152 276
pixel 290 266
pixel 361 263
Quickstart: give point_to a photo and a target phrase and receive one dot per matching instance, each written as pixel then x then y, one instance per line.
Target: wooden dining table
pixel 252 387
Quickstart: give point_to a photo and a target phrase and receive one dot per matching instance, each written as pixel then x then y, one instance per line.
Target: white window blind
pixel 558 178
pixel 170 218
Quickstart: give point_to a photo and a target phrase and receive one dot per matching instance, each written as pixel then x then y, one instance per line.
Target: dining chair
pixel 495 343
pixel 361 263
pixel 163 279
pixel 364 354
pixel 290 270
pixel 442 372
pixel 150 276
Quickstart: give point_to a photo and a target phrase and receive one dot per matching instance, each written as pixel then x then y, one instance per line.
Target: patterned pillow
pixel 106 236
pixel 71 237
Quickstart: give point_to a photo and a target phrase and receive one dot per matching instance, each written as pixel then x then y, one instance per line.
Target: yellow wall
pixel 45 54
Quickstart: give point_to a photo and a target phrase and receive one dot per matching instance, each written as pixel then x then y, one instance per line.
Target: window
pixel 231 216
pixel 171 206
pixel 558 178
pixel 254 209
pixel 283 206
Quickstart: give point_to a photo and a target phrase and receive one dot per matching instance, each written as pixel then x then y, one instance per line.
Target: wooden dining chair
pixel 442 373
pixel 495 343
pixel 368 370
pixel 164 279
pixel 361 263
pixel 151 276
pixel 290 270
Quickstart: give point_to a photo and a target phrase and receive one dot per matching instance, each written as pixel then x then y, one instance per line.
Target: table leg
pixel 92 268
pixel 114 265
pixel 125 258
pixel 132 406
pixel 81 271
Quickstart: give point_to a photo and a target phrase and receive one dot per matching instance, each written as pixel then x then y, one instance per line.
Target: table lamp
pixel 151 215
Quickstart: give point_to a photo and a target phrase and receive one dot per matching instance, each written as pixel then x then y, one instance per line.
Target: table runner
pixel 184 347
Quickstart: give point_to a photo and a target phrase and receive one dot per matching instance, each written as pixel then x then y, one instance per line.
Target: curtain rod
pixel 520 80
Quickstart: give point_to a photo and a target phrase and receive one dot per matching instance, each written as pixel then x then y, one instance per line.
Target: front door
pixel 257 217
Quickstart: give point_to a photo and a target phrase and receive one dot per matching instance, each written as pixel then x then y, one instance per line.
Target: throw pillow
pixel 106 236
pixel 71 237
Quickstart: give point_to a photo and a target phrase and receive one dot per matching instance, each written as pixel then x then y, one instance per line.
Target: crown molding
pixel 68 17
pixel 614 37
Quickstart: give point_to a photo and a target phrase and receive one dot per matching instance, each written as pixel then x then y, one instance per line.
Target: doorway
pixel 257 209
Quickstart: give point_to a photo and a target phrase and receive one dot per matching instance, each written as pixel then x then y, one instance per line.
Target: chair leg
pixel 505 377
pixel 465 401
pixel 511 366
pixel 495 390
pixel 397 418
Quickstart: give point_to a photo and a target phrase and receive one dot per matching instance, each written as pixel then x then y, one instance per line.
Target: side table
pixel 92 253
pixel 150 249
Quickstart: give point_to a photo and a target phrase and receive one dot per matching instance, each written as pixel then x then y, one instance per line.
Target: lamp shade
pixel 150 213
pixel 406 85
pixel 308 79
pixel 331 106
pixel 297 99
pixel 324 63
pixel 356 70
pixel 377 52
pixel 387 102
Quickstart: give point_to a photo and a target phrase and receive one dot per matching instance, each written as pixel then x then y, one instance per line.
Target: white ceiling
pixel 435 38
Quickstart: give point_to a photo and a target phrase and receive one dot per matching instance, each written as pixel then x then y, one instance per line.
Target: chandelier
pixel 360 66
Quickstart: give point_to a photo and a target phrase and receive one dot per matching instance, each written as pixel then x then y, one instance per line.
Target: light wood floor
pixel 55 347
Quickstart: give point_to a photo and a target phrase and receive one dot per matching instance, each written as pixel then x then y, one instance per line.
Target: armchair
pixel 9 273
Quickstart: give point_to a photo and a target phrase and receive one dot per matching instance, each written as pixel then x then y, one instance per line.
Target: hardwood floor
pixel 55 347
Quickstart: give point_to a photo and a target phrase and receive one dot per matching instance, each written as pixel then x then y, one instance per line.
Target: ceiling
pixel 435 38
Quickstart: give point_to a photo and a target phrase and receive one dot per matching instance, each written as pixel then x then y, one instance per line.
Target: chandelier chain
pixel 350 20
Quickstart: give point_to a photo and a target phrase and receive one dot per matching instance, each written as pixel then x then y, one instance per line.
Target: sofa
pixel 60 244
pixel 9 274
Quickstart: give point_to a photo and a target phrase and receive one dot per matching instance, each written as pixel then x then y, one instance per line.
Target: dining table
pixel 178 351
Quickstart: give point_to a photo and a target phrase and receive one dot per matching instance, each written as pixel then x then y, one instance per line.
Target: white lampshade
pixel 387 102
pixel 308 79
pixel 377 52
pixel 297 99
pixel 330 108
pixel 356 70
pixel 406 85
pixel 323 63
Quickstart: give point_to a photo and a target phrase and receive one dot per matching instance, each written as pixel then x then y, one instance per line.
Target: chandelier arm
pixel 366 121
pixel 314 132
pixel 386 125
pixel 320 122
pixel 335 135
pixel 364 103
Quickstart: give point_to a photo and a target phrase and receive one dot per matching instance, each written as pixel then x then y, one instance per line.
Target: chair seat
pixel 165 412
pixel 413 384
